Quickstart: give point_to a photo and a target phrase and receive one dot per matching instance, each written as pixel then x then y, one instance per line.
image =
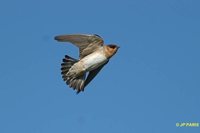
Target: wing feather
pixel 93 73
pixel 87 43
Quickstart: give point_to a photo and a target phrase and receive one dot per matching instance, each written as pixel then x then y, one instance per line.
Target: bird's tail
pixel 77 83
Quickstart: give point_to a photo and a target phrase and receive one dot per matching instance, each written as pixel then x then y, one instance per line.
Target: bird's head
pixel 111 49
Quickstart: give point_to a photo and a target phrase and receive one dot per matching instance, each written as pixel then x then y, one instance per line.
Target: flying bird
pixel 93 56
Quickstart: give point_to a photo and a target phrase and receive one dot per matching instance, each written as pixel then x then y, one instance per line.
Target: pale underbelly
pixel 93 61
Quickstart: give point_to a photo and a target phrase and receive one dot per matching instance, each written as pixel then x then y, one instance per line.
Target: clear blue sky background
pixel 152 83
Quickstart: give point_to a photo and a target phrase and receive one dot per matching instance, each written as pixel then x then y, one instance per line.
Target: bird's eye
pixel 112 46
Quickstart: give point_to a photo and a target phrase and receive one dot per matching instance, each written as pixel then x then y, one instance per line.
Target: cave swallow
pixel 93 55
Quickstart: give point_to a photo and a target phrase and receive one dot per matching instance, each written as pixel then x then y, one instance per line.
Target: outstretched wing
pixel 87 43
pixel 93 73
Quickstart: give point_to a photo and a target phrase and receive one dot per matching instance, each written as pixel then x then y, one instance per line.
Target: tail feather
pixel 77 83
pixel 66 65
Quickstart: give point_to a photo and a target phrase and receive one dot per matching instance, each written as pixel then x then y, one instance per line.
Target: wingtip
pixel 60 38
pixel 56 38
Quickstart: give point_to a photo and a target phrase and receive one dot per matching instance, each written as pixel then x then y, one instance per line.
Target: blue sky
pixel 148 86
